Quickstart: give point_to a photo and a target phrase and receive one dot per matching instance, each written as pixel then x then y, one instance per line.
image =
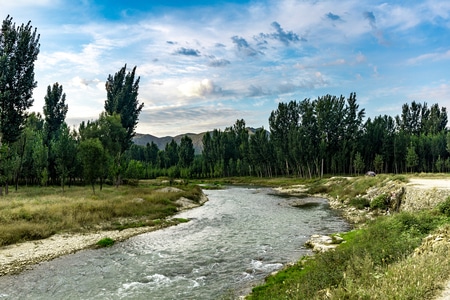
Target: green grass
pixel 378 254
pixel 105 242
pixel 35 213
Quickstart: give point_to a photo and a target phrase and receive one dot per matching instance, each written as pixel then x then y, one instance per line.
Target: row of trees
pixel 328 136
pixel 40 149
pixel 310 138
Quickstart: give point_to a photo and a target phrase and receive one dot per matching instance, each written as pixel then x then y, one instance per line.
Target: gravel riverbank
pixel 18 257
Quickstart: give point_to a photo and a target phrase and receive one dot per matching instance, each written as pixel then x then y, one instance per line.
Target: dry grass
pixel 35 212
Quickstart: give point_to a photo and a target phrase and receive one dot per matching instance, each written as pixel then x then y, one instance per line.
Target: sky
pixel 205 64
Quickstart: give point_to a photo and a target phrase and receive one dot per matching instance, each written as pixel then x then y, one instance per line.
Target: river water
pixel 232 242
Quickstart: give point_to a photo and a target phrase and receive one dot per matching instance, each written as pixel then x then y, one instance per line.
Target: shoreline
pixel 23 256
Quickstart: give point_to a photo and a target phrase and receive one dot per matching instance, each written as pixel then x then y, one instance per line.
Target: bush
pixel 444 207
pixel 359 202
pixel 105 242
pixel 380 202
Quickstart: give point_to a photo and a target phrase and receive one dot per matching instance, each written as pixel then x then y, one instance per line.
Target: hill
pixel 161 142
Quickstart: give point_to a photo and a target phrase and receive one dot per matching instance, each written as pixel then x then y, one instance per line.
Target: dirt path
pixel 425 183
pixel 439 184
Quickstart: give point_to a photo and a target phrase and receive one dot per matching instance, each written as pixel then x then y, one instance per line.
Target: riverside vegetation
pixel 386 257
pixel 33 213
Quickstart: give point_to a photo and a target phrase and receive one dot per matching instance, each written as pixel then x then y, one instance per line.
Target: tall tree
pixel 55 110
pixel 186 152
pixel 64 147
pixel 91 154
pixel 19 48
pixel 122 92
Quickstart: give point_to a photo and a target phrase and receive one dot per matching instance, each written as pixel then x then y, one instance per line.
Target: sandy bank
pixel 18 257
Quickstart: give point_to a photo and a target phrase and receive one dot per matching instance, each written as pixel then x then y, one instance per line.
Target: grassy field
pixel 38 212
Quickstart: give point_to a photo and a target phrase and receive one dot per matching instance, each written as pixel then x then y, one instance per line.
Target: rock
pixel 321 243
pixel 170 189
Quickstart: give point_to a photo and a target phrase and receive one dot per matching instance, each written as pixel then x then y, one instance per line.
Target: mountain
pixel 161 142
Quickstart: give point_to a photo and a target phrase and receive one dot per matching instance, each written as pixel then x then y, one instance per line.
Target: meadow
pixel 33 213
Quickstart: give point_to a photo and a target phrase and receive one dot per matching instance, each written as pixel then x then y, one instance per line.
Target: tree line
pixel 308 138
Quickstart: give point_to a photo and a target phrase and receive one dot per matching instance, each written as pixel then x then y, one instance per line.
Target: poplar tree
pixel 55 110
pixel 122 91
pixel 19 48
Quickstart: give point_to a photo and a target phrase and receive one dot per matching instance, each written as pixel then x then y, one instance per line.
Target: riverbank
pixel 21 256
pixel 410 203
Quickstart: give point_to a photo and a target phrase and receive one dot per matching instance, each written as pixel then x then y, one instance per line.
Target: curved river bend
pixel 232 242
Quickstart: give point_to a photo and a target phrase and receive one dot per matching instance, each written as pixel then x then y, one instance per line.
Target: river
pixel 231 243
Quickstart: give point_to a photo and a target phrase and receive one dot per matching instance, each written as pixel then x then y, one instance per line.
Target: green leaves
pixel 19 47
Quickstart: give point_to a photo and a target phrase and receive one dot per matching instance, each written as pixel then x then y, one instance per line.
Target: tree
pixel 122 92
pixel 171 154
pixel 64 147
pixel 186 152
pixel 412 159
pixel 19 47
pixel 378 163
pixel 55 110
pixel 281 122
pixel 91 155
pixel 358 163
pixel 108 129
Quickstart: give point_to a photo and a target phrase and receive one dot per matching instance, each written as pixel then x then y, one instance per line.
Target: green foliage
pixel 444 207
pixel 358 163
pixel 412 159
pixel 105 242
pixel 91 154
pixel 366 252
pixel 185 152
pixel 19 48
pixel 380 202
pixel 359 202
pixel 378 163
pixel 122 91
pixel 55 111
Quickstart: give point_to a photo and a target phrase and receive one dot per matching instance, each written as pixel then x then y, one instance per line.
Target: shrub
pixel 359 202
pixel 444 207
pixel 379 202
pixel 105 242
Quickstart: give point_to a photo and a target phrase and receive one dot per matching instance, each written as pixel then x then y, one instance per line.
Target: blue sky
pixel 205 64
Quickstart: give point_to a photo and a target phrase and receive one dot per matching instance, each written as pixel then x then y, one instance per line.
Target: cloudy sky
pixel 205 64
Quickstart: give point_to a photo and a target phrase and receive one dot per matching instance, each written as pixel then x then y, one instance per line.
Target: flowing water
pixel 232 242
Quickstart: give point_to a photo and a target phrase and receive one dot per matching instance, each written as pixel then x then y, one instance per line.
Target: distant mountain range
pixel 161 142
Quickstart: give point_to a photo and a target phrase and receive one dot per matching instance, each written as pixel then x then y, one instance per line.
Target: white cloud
pixel 435 56
pixel 198 89
pixel 437 93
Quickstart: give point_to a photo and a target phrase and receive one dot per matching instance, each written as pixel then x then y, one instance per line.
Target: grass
pixel 34 213
pixel 375 262
pixel 105 242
